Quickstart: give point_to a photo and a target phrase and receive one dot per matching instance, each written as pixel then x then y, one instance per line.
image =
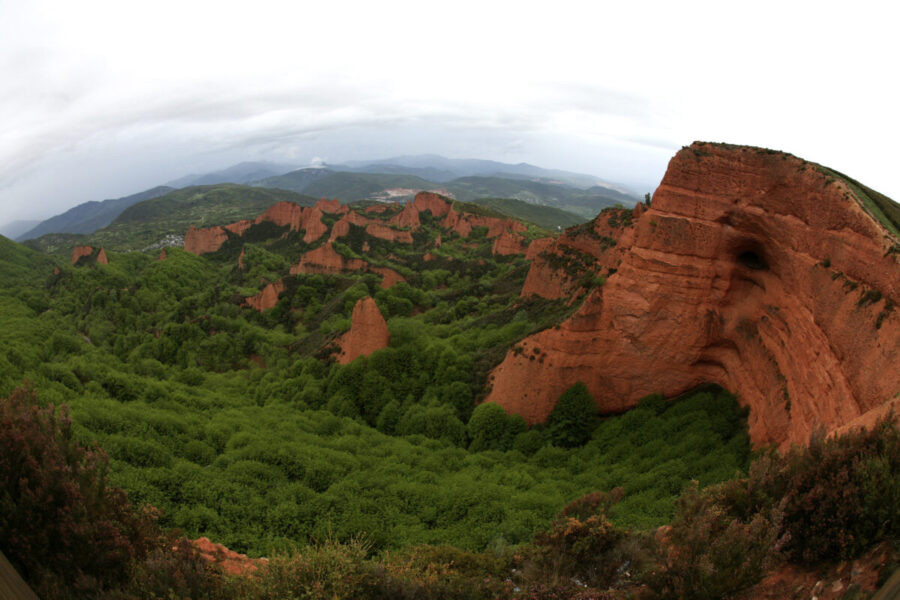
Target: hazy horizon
pixel 104 99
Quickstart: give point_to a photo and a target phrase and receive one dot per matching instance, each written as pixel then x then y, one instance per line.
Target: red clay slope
pixel 753 270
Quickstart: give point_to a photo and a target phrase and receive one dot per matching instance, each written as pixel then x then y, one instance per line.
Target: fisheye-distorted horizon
pixel 103 99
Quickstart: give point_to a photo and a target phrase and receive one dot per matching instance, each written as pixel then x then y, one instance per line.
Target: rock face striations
pixel 752 269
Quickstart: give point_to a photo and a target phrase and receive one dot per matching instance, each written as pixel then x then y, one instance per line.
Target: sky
pixel 102 99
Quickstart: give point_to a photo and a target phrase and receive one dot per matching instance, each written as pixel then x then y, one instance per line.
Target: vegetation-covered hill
pixel 160 222
pixel 585 203
pixel 355 186
pixel 548 217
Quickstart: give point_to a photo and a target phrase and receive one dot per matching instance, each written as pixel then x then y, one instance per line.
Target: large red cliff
pixel 752 269
pixel 368 332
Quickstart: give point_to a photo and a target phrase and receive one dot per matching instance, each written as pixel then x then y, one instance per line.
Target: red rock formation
pixel 454 222
pixel 312 225
pixel 201 241
pixel 267 298
pixel 101 257
pixel 508 243
pixel 389 276
pixel 241 259
pixel 239 227
pixel 231 562
pixel 288 214
pixel 751 269
pixel 368 332
pixel 164 256
pixel 283 214
pixel 80 251
pixel 408 217
pixel 496 226
pixel 438 242
pixel 437 205
pixel 325 259
pixel 537 246
pixel 339 229
pixel 330 206
pixel 377 209
pixel 386 233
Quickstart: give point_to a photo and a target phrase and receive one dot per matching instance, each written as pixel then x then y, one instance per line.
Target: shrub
pixel 841 494
pixel 709 554
pixel 581 543
pixel 55 504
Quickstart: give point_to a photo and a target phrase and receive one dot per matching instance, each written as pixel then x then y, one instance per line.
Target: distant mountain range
pixel 91 216
pixel 388 179
pixel 244 172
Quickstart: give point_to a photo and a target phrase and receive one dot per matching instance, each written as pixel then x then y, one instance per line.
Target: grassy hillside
pixel 586 203
pixel 350 187
pixel 151 221
pixel 880 206
pixel 548 217
pixel 91 216
pixel 21 267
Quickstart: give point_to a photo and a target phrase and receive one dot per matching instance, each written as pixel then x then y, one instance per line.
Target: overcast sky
pixel 103 99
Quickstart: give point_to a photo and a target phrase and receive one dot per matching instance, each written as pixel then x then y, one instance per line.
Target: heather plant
pixel 708 553
pixel 61 524
pixel 841 494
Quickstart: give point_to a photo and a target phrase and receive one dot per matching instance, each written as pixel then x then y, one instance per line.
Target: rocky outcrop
pixel 325 259
pixel 81 251
pixel 330 206
pixel 558 265
pixel 203 241
pixel 384 232
pixel 437 205
pixel 241 258
pixel 368 332
pixel 163 255
pixel 408 217
pixel 239 227
pixel 267 298
pixel 297 218
pixel 455 223
pixel 233 563
pixel 507 244
pixel 751 269
pixel 389 277
pixel 101 257
pixel 537 246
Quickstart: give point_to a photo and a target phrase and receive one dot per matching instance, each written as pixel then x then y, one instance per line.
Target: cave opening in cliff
pixel 752 260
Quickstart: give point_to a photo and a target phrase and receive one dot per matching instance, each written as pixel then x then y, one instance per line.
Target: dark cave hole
pixel 752 260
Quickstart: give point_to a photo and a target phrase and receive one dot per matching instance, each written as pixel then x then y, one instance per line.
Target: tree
pixel 573 418
pixel 492 429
